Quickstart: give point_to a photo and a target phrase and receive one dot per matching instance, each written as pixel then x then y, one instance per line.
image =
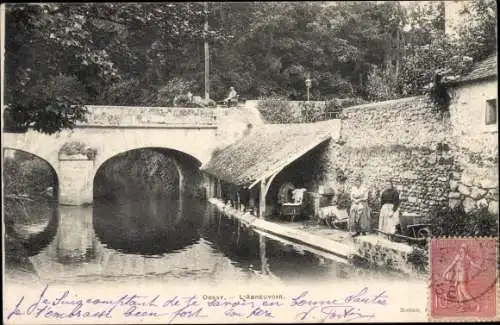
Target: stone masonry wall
pixel 400 139
pixel 474 184
pixel 474 181
pixel 420 174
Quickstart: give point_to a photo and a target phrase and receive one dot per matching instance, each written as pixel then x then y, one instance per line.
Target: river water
pixel 162 239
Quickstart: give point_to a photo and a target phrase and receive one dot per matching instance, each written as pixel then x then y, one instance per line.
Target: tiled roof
pixel 484 69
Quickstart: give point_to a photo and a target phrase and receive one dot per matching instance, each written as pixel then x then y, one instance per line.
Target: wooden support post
pixel 264 188
pixel 219 189
pixel 262 199
pixel 315 200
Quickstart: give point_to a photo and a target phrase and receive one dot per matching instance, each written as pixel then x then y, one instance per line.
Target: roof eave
pixel 224 179
pixel 289 161
pixel 469 81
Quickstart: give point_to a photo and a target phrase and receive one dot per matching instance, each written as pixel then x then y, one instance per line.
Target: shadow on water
pixel 250 250
pixel 232 238
pixel 38 241
pixel 146 225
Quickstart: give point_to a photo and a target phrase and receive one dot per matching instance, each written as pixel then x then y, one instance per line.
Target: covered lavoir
pixel 269 172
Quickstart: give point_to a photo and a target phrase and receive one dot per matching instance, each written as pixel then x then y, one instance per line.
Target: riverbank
pixel 371 249
pixel 17 263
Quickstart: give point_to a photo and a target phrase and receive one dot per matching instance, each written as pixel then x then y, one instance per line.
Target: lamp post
pixel 308 85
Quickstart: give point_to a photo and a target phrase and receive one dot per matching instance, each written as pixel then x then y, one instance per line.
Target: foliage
pixel 38 175
pixel 47 106
pixel 32 176
pixel 428 51
pixel 76 147
pixel 439 95
pixel 455 222
pixel 311 112
pixel 476 36
pixel 279 110
pixel 122 92
pixel 276 110
pixel 419 258
pixel 174 87
pixel 60 56
pixel 382 84
pixel 137 171
pixel 72 148
pixel 11 175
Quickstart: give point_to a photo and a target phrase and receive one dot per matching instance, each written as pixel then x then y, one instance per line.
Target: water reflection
pixel 75 240
pixel 146 225
pixel 253 251
pixel 156 238
pixel 47 219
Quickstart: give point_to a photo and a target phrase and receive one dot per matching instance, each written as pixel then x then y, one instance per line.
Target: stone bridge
pixel 189 135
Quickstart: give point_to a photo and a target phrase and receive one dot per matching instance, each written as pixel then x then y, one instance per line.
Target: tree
pixel 477 36
pixel 62 56
pixel 428 50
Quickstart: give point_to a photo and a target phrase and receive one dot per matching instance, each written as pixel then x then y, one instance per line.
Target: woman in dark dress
pixel 389 212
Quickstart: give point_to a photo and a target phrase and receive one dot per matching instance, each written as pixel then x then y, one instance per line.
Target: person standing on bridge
pixel 232 98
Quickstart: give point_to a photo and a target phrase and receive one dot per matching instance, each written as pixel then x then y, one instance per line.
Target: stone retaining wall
pixel 475 188
pixel 399 139
pixel 405 140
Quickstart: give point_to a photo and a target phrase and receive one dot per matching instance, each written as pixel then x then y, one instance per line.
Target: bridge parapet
pixel 136 116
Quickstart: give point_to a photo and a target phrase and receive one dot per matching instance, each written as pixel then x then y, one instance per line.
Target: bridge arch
pixel 184 163
pixel 15 205
pixel 171 229
pixel 52 165
pixel 179 148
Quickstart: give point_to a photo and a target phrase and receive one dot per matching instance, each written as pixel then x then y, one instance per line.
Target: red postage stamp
pixel 463 278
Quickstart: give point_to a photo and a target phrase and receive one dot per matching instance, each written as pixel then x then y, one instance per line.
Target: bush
pixel 174 87
pixel 455 222
pixel 419 259
pixel 36 176
pixel 312 112
pixel 72 148
pixel 277 110
pixel 280 110
pixel 32 176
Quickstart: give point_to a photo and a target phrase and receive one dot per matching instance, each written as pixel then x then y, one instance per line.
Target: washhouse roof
pixel 265 151
pixel 484 69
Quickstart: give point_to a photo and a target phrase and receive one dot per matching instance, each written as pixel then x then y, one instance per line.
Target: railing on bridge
pixel 149 116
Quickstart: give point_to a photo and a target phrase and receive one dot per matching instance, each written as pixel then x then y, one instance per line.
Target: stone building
pixel 473 110
pixel 474 128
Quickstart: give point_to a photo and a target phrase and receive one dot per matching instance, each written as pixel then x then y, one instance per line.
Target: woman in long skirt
pixel 359 217
pixel 389 212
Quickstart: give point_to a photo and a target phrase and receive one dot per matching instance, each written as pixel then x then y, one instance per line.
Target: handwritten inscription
pixel 52 304
pixel 347 308
pixel 67 306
